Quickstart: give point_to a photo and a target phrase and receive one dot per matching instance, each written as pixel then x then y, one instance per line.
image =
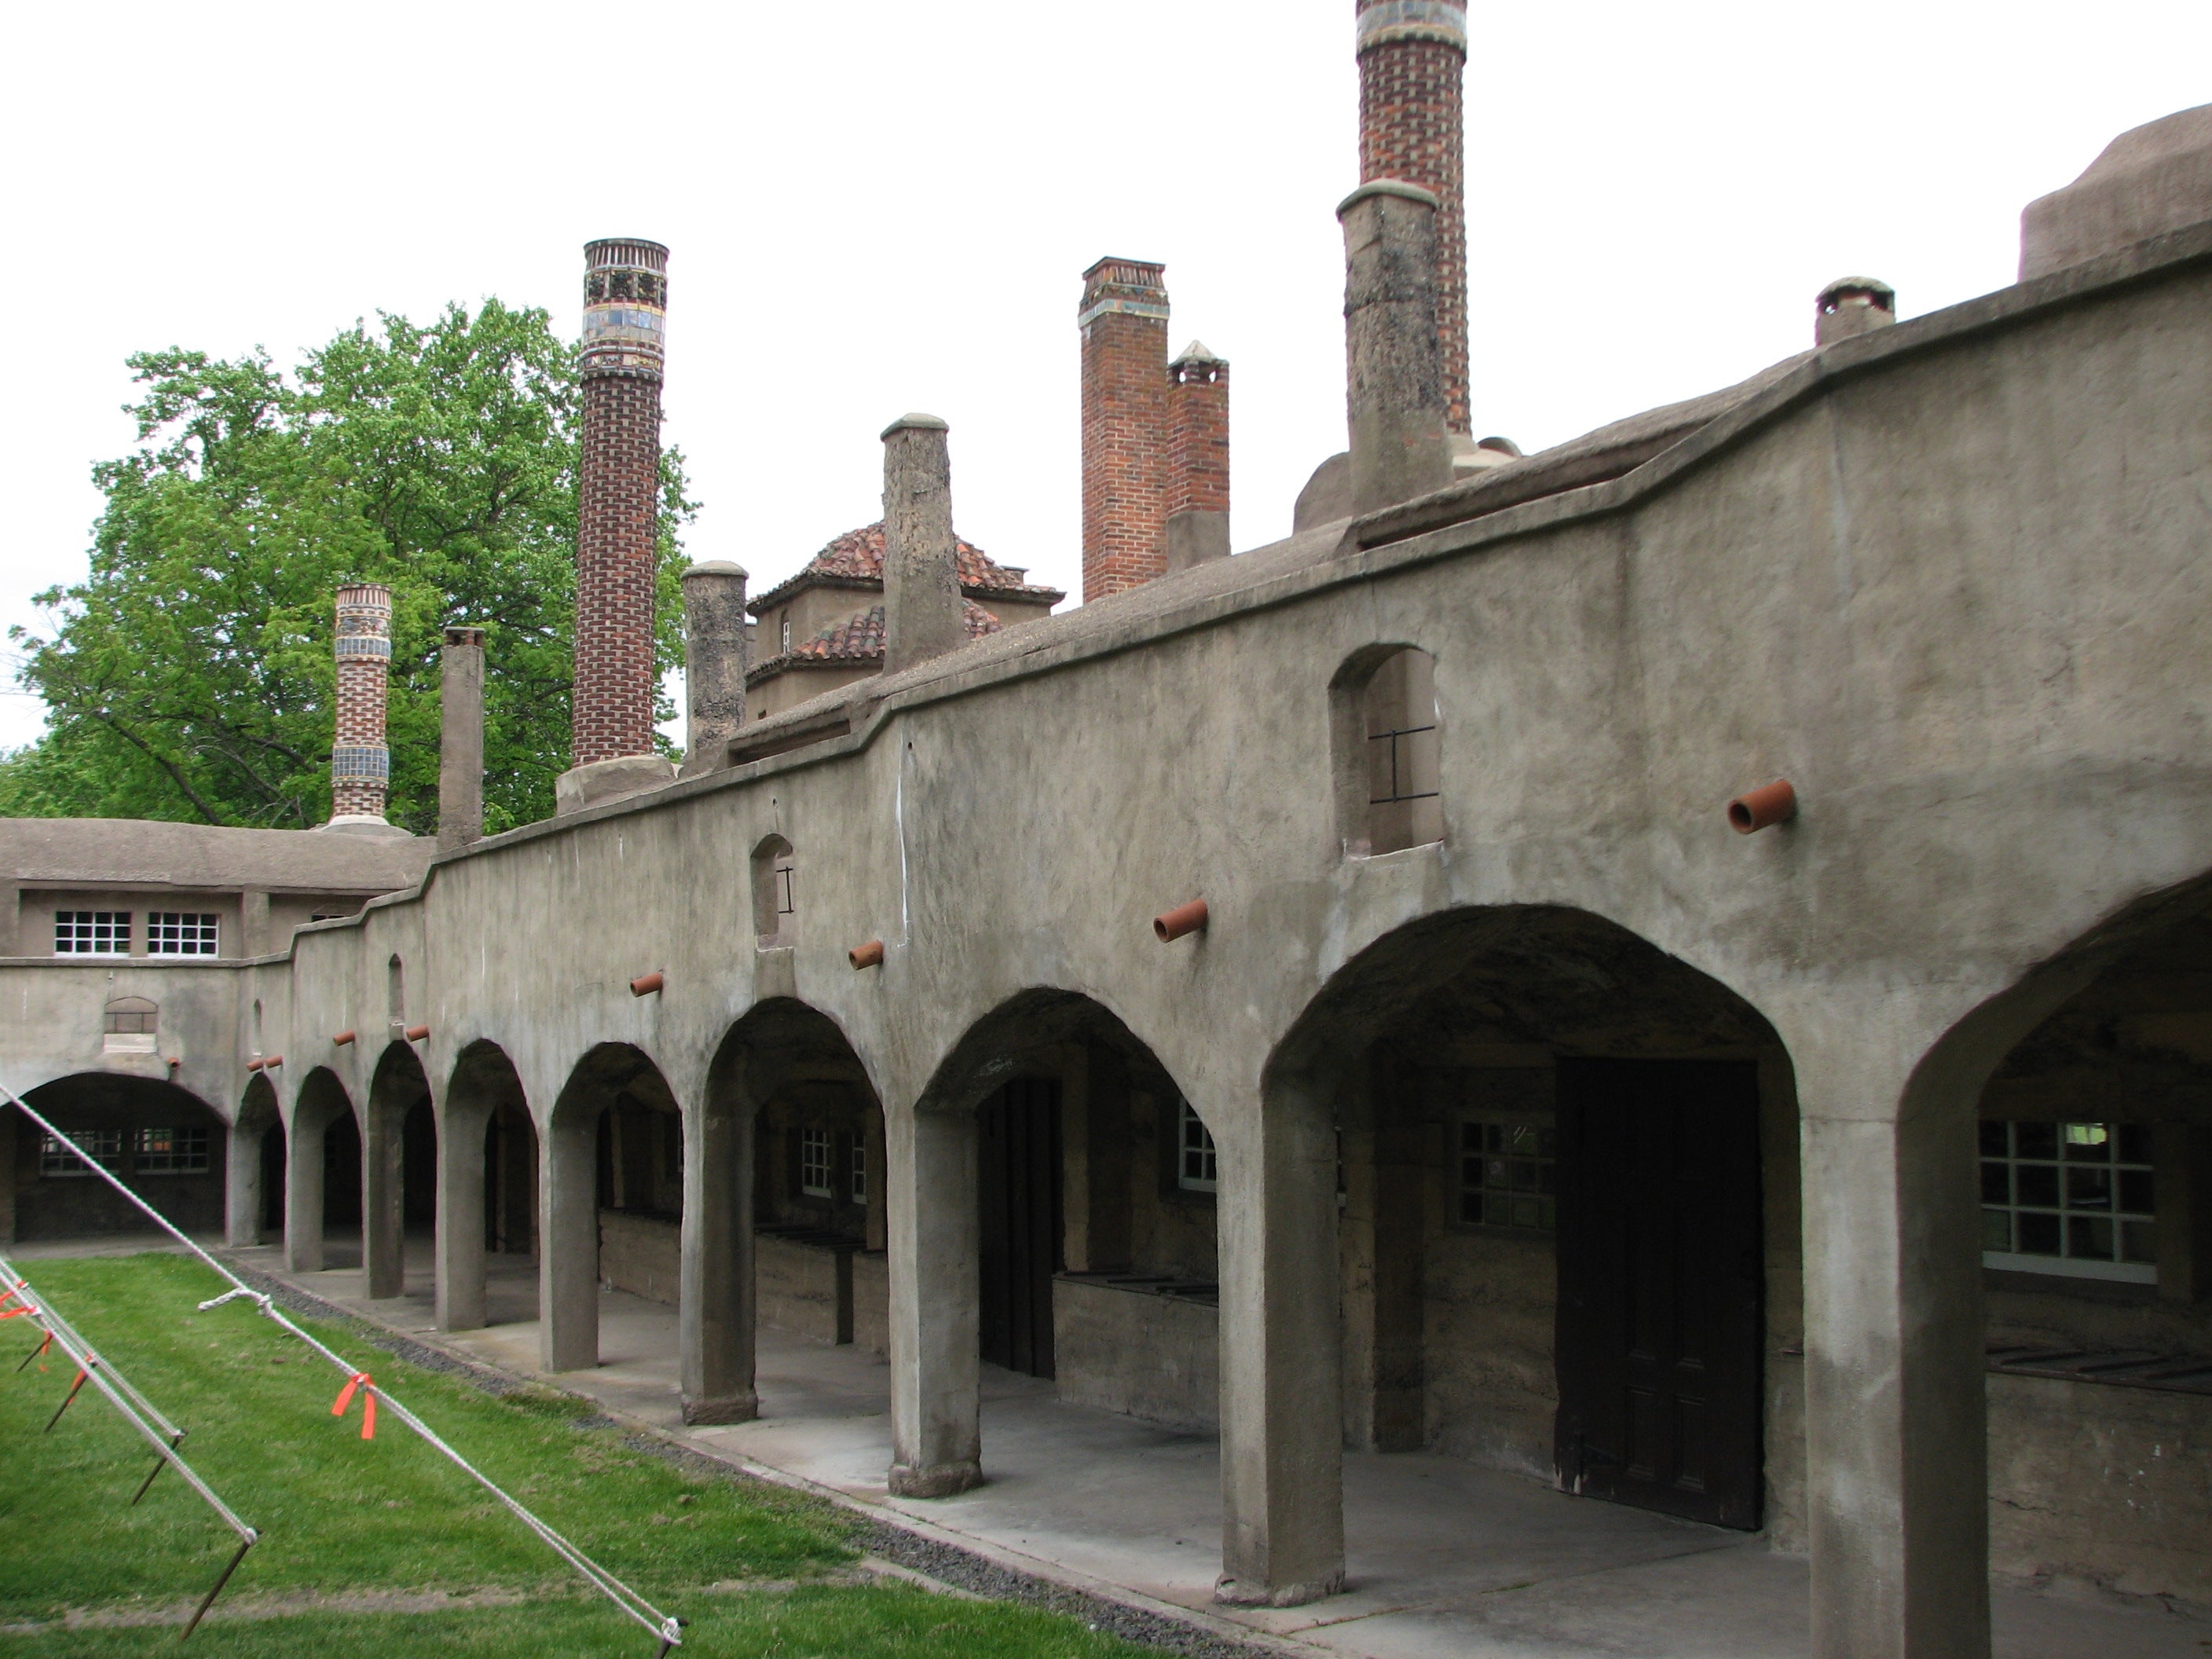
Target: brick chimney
pixel 1413 57
pixel 1198 458
pixel 1124 320
pixel 361 765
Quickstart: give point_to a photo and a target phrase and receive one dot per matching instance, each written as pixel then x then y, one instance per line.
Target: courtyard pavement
pixel 1443 1559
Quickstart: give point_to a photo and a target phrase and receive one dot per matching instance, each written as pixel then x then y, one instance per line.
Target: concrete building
pixel 1677 966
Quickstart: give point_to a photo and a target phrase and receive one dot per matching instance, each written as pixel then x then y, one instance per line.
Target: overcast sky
pixel 875 207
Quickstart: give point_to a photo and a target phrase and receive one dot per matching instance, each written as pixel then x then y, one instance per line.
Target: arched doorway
pixel 398 1169
pixel 487 1194
pixel 255 1208
pixel 322 1177
pixel 168 1145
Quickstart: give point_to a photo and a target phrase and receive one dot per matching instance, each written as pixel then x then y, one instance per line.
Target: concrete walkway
pixel 1443 1559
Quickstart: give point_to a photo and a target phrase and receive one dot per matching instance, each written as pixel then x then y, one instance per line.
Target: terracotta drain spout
pixel 870 955
pixel 272 1062
pixel 342 1039
pixel 253 1065
pixel 645 984
pixel 1757 809
pixel 418 1033
pixel 1183 919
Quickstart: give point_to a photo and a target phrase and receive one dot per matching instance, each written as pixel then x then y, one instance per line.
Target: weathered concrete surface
pixel 921 576
pixel 1135 1352
pixel 714 634
pixel 460 739
pixel 2149 180
pixel 639 1253
pixel 805 1288
pixel 1393 377
pixel 602 782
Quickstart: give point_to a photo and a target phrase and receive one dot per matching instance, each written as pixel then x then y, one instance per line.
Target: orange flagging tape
pixel 362 1381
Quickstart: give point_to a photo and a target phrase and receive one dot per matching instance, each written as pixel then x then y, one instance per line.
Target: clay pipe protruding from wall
pixel 645 984
pixel 272 1062
pixel 418 1033
pixel 1183 919
pixel 254 1065
pixel 342 1039
pixel 870 955
pixel 1767 804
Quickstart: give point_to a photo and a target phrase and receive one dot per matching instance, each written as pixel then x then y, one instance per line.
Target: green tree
pixel 190 675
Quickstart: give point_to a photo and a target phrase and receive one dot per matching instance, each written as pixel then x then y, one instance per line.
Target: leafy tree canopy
pixel 190 675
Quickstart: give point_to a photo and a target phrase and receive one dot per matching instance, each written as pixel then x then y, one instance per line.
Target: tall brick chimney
pixel 1124 321
pixel 625 320
pixel 361 765
pixel 1413 57
pixel 1198 458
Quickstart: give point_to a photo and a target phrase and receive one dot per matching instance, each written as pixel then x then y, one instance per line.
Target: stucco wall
pixel 1128 1349
pixel 639 1253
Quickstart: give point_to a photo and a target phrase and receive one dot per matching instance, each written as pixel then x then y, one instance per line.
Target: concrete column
pixel 303 1195
pixel 1897 1482
pixel 871 1136
pixel 1282 1503
pixel 921 578
pixel 460 1242
pixel 242 1188
pixel 460 739
pixel 714 1321
pixel 931 1200
pixel 714 663
pixel 383 1234
pixel 11 920
pixel 568 1244
pixel 1394 389
pixel 253 939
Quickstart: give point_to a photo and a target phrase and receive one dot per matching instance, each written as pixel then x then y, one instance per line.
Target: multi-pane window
pixel 1404 766
pixel 2073 1199
pixel 134 1017
pixel 170 1151
pixel 1197 1165
pixel 860 1170
pixel 1509 1173
pixel 814 1148
pixel 181 933
pixel 785 873
pixel 92 932
pixel 103 1147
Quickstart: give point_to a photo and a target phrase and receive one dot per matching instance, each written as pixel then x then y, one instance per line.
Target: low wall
pixel 1125 1347
pixel 640 1254
pixel 871 1303
pixel 802 1283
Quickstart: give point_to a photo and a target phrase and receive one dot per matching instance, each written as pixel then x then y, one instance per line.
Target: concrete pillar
pixel 242 1186
pixel 1395 391
pixel 460 1241
pixel 383 1233
pixel 935 1232
pixel 1282 1503
pixel 303 1193
pixel 11 920
pixel 921 575
pixel 460 739
pixel 714 662
pixel 569 1243
pixel 871 1137
pixel 1897 1481
pixel 253 939
pixel 714 1323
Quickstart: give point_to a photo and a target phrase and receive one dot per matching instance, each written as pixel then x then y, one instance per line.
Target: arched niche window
pixel 1388 777
pixel 129 1025
pixel 395 992
pixel 775 893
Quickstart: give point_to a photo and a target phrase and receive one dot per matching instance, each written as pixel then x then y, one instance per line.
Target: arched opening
pixel 775 893
pixel 487 1195
pixel 129 1025
pixel 322 1177
pixel 256 1207
pixel 398 1175
pixel 1388 758
pixel 1567 1196
pixel 167 1144
pixel 613 1199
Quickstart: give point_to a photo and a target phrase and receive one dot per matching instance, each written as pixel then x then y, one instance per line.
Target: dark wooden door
pixel 1661 1280
pixel 1019 1189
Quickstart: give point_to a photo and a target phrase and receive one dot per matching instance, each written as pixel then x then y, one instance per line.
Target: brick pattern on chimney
pixel 625 304
pixel 1413 58
pixel 1198 434
pixel 361 765
pixel 1124 321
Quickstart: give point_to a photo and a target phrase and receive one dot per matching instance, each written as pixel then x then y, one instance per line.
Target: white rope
pixel 665 1626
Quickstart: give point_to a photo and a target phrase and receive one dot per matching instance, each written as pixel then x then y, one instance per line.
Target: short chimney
pixel 1852 305
pixel 714 662
pixel 361 765
pixel 922 615
pixel 1124 322
pixel 1395 394
pixel 1198 458
pixel 460 739
pixel 1413 127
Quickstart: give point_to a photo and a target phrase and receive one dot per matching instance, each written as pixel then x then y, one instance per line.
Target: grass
pixel 343 1517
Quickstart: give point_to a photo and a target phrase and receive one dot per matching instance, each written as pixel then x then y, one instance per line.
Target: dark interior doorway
pixel 342 1172
pixel 418 1181
pixel 1660 1280
pixel 1019 1186
pixel 272 1181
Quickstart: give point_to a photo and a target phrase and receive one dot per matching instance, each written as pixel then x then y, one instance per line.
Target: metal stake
pixel 65 1406
pixel 36 1351
pixel 209 1601
pixel 159 1464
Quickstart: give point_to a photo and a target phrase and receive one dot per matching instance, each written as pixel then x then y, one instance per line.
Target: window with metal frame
pixel 2073 1200
pixel 181 933
pixel 92 932
pixel 814 1165
pixel 170 1151
pixel 1197 1164
pixel 103 1147
pixel 1508 1172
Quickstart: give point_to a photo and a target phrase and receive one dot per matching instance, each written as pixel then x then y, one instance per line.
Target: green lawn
pixel 338 1515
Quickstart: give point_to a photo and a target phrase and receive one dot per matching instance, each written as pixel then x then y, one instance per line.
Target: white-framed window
pixel 1509 1171
pixel 181 933
pixel 1197 1165
pixel 170 1151
pixel 814 1150
pixel 860 1170
pixel 103 1147
pixel 2069 1199
pixel 92 932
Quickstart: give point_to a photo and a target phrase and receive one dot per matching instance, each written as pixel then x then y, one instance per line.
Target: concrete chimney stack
pixel 714 662
pixel 460 739
pixel 1852 305
pixel 1124 322
pixel 1413 127
pixel 1198 458
pixel 361 765
pixel 1394 391
pixel 922 615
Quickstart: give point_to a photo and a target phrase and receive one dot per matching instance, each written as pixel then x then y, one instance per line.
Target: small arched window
pixel 129 1025
pixel 775 893
pixel 1390 782
pixel 395 992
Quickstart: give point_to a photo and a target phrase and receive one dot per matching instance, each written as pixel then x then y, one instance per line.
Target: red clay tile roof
pixel 858 556
pixel 859 638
